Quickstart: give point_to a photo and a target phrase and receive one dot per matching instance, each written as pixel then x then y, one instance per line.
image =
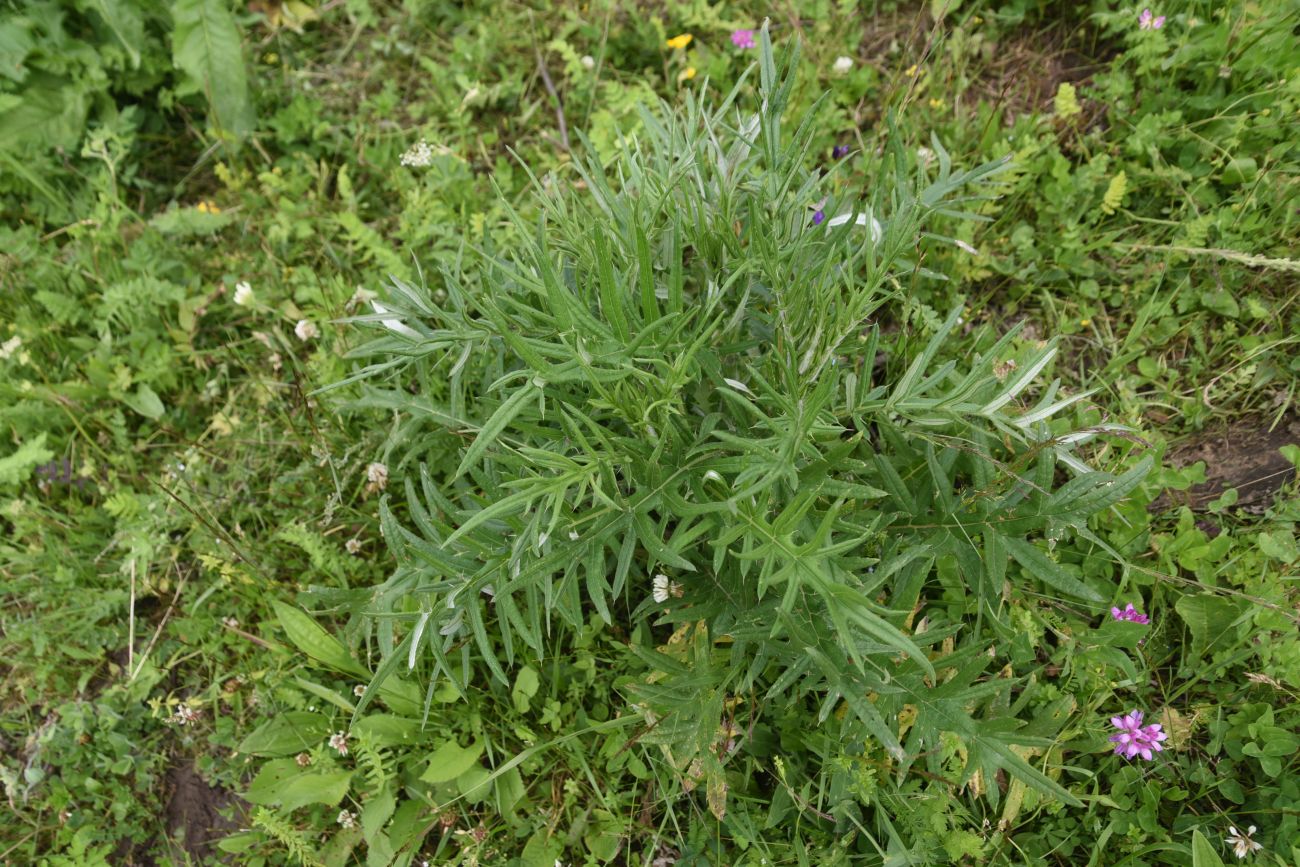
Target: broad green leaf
pixel 309 637
pixel 1211 619
pixel 289 786
pixel 451 760
pixel 207 48
pixel 1203 854
pixel 286 734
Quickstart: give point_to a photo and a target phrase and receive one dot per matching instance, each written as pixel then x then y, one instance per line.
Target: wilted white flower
pixel 842 65
pixel 347 818
pixel 10 346
pixel 377 475
pixel 306 330
pixel 303 760
pixel 1241 843
pixel 588 62
pixel 418 155
pixel 243 294
pixel 185 715
pixel 663 588
pixel 353 546
pixel 359 298
pixel 339 741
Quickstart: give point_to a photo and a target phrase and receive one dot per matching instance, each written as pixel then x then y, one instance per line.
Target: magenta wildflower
pixel 818 216
pixel 839 151
pixel 1147 22
pixel 742 38
pixel 1130 614
pixel 1135 739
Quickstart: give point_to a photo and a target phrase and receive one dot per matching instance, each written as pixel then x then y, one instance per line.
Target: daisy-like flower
pixel 842 65
pixel 680 42
pixel 742 38
pixel 1129 613
pixel 339 741
pixel 663 588
pixel 306 330
pixel 243 294
pixel 1135 739
pixel 347 818
pixel 418 155
pixel 1241 843
pixel 1148 22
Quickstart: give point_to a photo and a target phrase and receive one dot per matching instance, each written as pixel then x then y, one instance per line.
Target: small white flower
pixel 359 690
pixel 573 536
pixel 10 346
pixel 231 622
pixel 377 475
pixel 1241 843
pixel 418 155
pixel 353 546
pixel 243 294
pixel 588 62
pixel 660 593
pixel 339 741
pixel 306 330
pixel 842 65
pixel 347 818
pixel 924 155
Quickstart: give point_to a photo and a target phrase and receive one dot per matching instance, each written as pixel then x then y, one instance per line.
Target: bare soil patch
pixel 1243 455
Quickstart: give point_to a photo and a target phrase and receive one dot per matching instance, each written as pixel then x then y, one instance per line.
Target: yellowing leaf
pixel 1066 102
pixel 1115 192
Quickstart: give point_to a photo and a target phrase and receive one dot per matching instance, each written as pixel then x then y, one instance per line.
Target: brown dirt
pixel 1242 455
pixel 193 812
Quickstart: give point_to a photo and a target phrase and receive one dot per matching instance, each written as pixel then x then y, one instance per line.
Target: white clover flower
pixel 347 818
pixel 10 346
pixel 243 293
pixel 842 65
pixel 1241 843
pixel 339 741
pixel 377 475
pixel 353 546
pixel 418 155
pixel 185 715
pixel 588 62
pixel 306 330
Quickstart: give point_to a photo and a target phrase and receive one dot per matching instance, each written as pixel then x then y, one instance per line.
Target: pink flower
pixel 1135 739
pixel 1147 22
pixel 1130 614
pixel 745 38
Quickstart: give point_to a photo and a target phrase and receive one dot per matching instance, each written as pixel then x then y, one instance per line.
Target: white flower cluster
pixel 418 155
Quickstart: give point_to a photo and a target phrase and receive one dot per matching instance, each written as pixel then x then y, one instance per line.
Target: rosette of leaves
pixel 675 370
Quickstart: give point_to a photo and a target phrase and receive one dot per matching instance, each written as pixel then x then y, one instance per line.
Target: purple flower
pixel 745 38
pixel 839 151
pixel 1130 614
pixel 1147 22
pixel 1135 739
pixel 818 216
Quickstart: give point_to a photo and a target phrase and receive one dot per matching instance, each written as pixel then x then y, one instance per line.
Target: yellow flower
pixel 1085 322
pixel 680 41
pixel 686 74
pixel 936 103
pixel 206 207
pixel 911 71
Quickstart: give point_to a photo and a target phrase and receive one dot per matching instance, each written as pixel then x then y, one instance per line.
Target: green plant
pixel 674 418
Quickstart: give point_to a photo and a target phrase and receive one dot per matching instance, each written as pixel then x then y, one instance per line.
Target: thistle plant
pixel 669 404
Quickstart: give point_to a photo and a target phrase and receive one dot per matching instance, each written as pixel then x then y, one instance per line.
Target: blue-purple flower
pixel 839 151
pixel 818 216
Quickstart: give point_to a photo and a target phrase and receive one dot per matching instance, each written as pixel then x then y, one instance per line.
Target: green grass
pixel 182 476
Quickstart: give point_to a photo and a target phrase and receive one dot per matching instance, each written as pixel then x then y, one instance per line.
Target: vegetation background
pixel 187 468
